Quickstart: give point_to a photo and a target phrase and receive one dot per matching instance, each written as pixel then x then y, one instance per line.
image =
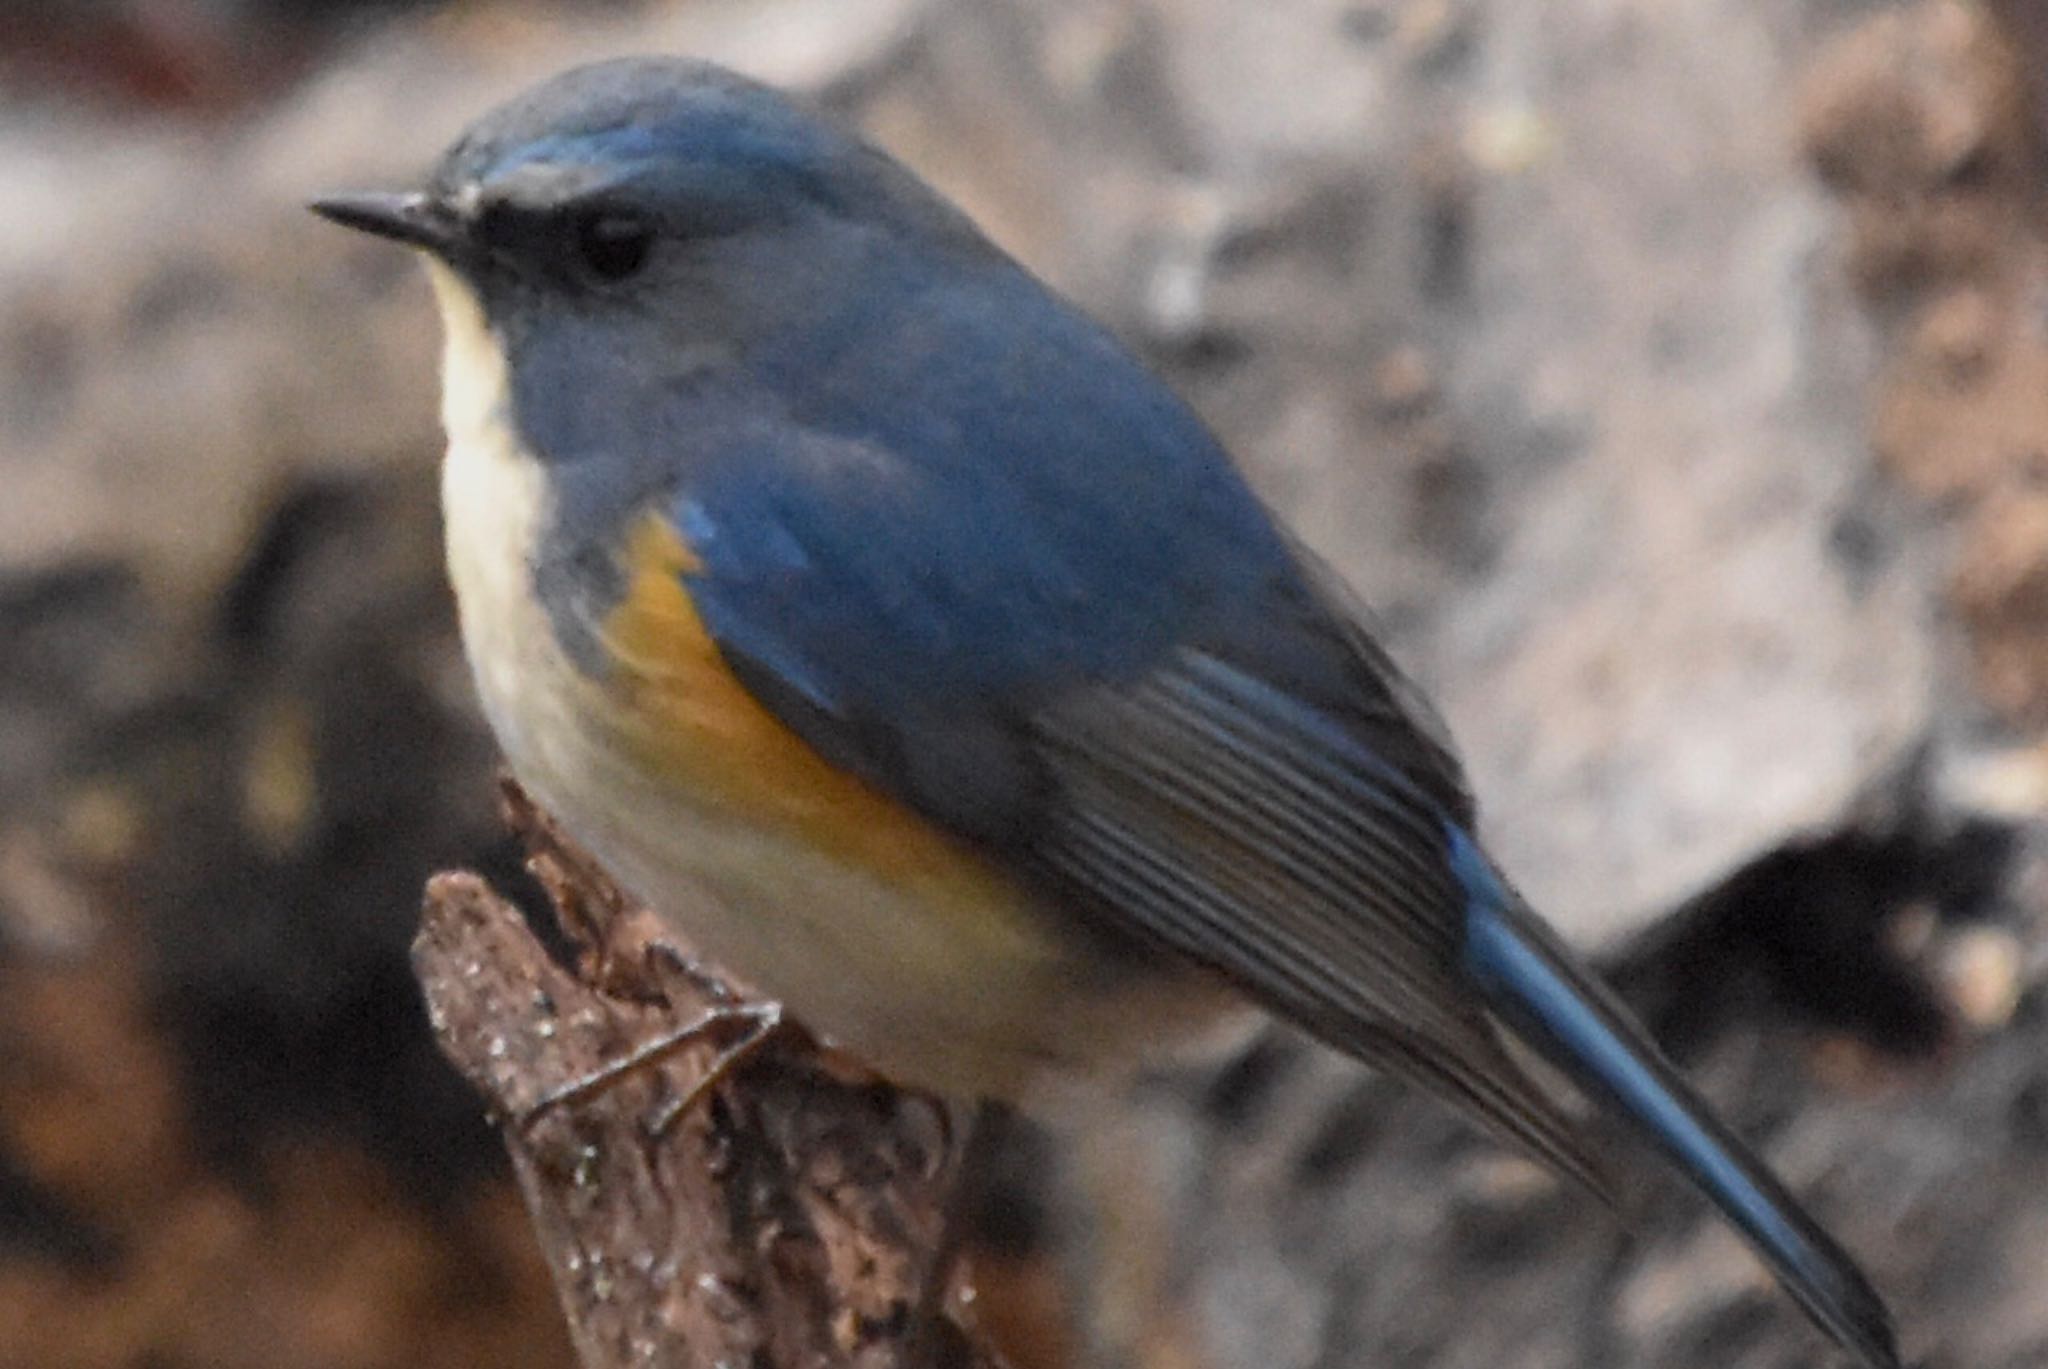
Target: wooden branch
pixel 784 1218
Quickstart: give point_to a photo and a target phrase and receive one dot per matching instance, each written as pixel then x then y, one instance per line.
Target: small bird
pixel 875 615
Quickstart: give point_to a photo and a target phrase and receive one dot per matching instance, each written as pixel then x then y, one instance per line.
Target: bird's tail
pixel 1537 988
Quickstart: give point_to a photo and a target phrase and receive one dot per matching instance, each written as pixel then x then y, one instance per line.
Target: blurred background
pixel 1672 375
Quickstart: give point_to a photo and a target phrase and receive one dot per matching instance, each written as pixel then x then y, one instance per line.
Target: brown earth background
pixel 1672 375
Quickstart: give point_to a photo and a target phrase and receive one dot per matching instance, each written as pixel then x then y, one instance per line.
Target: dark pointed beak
pixel 414 219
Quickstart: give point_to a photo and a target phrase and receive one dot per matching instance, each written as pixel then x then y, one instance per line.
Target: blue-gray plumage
pixel 812 554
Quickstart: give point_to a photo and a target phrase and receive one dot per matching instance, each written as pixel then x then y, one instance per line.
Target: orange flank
pixel 694 725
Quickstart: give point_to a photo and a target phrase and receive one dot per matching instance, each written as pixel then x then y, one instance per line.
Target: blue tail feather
pixel 1537 988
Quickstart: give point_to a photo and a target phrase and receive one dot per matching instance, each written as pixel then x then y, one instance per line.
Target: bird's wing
pixel 1255 790
pixel 1267 838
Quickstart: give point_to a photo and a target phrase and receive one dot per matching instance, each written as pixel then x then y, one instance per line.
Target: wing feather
pixel 1205 814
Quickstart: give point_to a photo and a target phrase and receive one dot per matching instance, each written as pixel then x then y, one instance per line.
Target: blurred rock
pixel 1919 119
pixel 2001 590
pixel 1981 968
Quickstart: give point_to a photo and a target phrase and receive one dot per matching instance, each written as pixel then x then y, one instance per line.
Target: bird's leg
pixel 762 1022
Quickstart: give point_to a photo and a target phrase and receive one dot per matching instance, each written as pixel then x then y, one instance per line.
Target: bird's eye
pixel 613 244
